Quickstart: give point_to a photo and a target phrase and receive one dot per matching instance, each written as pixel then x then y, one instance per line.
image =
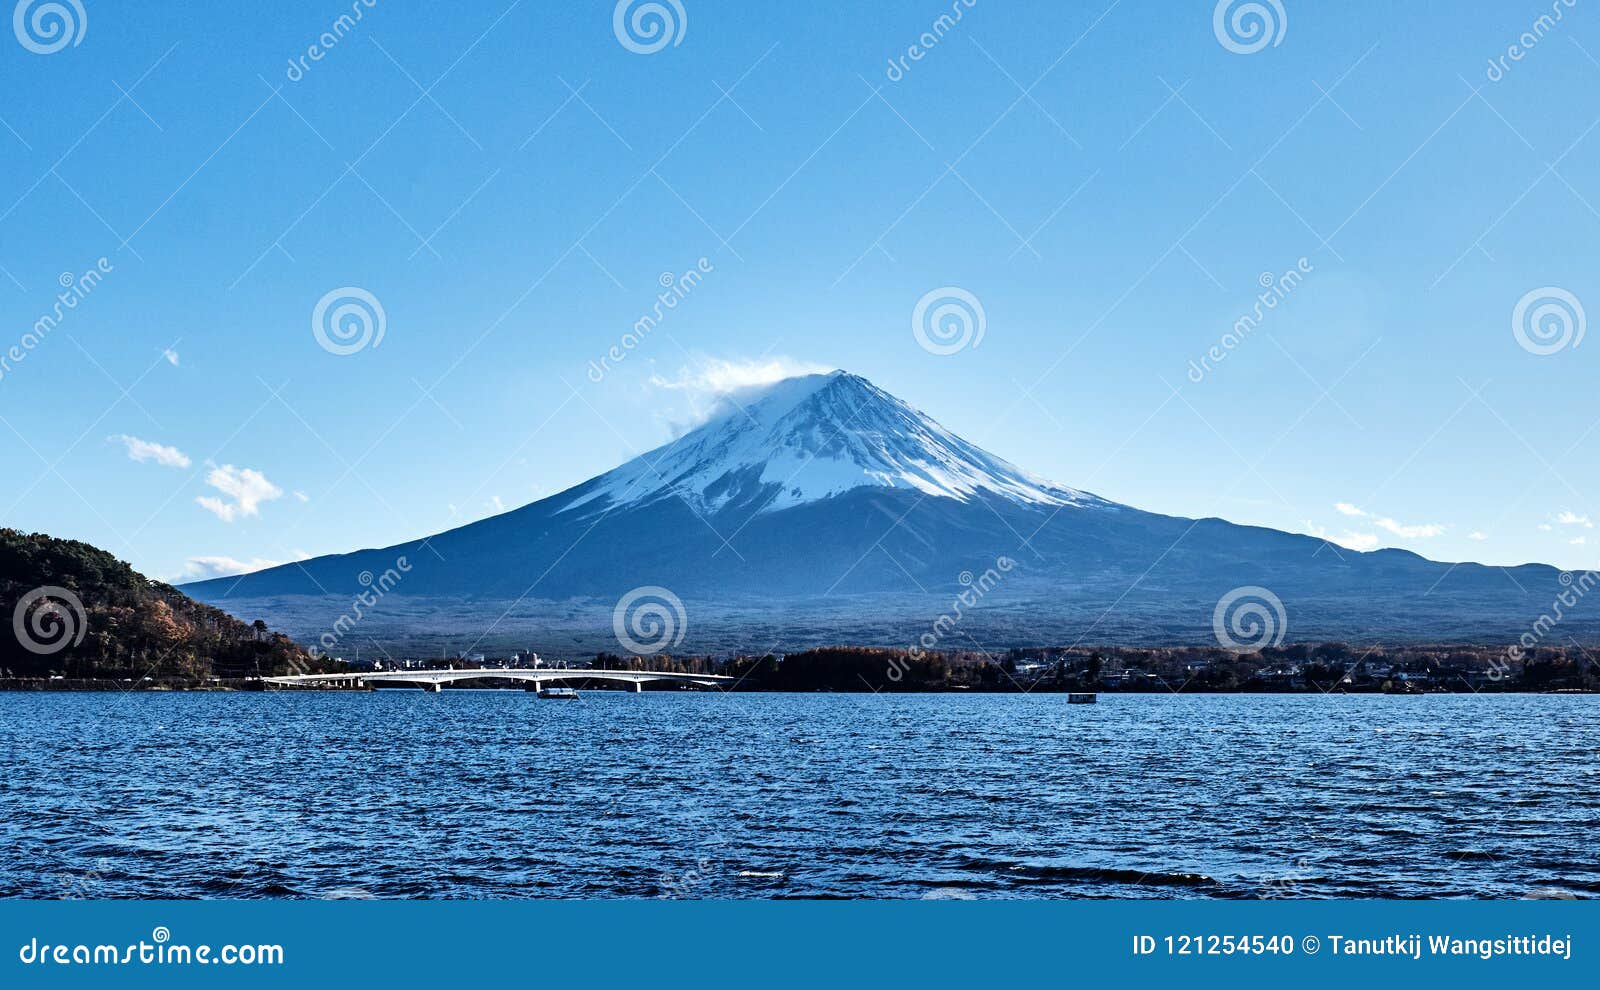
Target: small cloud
pixel 1349 540
pixel 1477 534
pixel 1345 508
pixel 302 497
pixel 1545 527
pixel 245 487
pixel 205 568
pixel 1573 519
pixel 495 503
pixel 145 450
pixel 1420 532
pixel 1579 541
pixel 171 356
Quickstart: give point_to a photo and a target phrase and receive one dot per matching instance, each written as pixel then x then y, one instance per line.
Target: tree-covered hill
pixel 72 609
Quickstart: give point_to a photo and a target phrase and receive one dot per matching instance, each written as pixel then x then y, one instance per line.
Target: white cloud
pixel 1573 519
pixel 1578 542
pixel 1477 534
pixel 247 489
pixel 495 503
pixel 171 356
pixel 302 496
pixel 707 385
pixel 205 568
pixel 145 450
pixel 1349 539
pixel 1545 527
pixel 1419 532
pixel 720 377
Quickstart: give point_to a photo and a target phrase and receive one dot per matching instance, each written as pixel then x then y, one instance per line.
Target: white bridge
pixel 435 680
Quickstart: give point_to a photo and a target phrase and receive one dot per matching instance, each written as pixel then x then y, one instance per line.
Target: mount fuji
pixel 822 509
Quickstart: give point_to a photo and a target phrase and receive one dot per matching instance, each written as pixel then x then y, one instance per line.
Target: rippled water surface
pixel 499 794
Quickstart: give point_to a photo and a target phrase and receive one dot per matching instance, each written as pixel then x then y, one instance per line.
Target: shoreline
pixel 24 685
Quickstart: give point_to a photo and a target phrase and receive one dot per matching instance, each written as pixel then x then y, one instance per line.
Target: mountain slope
pixel 824 488
pixel 79 611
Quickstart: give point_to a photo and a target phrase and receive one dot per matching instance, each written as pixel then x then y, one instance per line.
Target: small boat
pixel 566 693
pixel 1082 698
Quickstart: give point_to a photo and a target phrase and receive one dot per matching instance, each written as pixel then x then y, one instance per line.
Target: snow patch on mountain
pixel 813 437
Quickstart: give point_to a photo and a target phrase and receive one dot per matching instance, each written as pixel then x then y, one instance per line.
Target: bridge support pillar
pixel 638 686
pixel 434 687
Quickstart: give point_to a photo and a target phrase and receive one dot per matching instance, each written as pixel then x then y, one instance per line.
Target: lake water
pixel 489 794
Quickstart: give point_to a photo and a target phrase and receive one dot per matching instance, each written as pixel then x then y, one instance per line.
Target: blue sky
pixel 510 182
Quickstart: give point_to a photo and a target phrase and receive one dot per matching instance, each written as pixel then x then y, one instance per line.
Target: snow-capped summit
pixel 813 437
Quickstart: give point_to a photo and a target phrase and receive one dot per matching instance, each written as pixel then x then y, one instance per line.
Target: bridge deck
pixel 438 678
